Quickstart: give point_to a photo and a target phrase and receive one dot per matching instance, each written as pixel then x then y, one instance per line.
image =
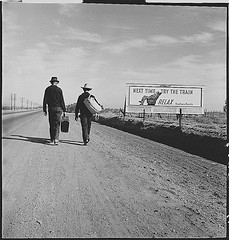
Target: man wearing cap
pixel 85 114
pixel 53 97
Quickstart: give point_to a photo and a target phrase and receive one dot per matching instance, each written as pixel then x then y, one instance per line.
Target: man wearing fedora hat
pixel 53 97
pixel 85 114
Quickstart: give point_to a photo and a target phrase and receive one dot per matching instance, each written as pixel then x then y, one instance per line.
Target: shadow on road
pixel 80 143
pixel 28 139
pixel 40 140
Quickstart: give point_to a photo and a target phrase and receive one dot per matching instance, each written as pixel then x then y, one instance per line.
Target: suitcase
pixel 64 124
pixel 92 105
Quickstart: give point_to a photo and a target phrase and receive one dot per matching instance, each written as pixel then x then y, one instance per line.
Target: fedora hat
pixel 86 87
pixel 54 79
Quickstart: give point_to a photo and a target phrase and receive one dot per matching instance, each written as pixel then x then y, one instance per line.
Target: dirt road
pixel 120 185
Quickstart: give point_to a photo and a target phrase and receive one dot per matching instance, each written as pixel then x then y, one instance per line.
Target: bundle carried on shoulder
pixel 92 105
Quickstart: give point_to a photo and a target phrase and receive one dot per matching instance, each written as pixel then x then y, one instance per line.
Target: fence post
pixel 144 115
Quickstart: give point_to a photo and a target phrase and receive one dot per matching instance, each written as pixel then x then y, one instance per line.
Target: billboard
pixel 164 98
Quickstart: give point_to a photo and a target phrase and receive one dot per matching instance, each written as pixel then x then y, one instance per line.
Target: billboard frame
pixel 190 109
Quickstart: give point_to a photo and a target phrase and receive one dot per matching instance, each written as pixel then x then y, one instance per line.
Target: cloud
pixel 68 61
pixel 153 41
pixel 34 68
pixel 9 21
pixel 120 47
pixel 43 48
pixel 76 34
pixel 10 29
pixel 204 37
pixel 185 62
pixel 55 40
pixel 57 22
pixel 33 60
pixel 159 40
pixel 119 27
pixel 70 33
pixel 162 40
pixel 218 26
pixel 65 9
pixel 190 69
pixel 43 61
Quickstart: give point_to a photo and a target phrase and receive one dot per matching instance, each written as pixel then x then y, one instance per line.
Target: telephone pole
pixel 22 100
pixel 11 101
pixel 14 101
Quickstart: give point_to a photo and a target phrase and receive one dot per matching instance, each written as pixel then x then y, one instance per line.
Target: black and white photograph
pixel 114 119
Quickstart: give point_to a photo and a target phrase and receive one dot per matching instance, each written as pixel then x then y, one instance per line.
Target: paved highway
pixel 120 185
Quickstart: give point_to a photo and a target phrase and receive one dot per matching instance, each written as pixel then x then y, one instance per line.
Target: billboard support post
pixel 180 117
pixel 124 109
pixel 122 112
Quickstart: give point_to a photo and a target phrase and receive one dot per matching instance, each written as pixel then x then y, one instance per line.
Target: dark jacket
pixel 54 98
pixel 81 107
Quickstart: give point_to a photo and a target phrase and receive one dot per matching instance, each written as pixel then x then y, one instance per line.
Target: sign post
pixel 180 117
pixel 124 109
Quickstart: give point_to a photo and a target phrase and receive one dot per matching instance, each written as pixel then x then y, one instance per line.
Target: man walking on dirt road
pixel 85 114
pixel 53 97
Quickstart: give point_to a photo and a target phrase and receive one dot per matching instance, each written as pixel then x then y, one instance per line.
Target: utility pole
pixel 22 100
pixel 14 101
pixel 11 101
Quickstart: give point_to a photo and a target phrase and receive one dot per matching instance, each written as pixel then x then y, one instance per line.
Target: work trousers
pixel 86 126
pixel 54 122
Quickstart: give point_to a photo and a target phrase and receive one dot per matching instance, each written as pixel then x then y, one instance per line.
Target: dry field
pixel 212 124
pixel 204 135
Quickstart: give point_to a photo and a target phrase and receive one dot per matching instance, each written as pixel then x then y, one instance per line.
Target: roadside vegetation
pixel 204 135
pixel 212 124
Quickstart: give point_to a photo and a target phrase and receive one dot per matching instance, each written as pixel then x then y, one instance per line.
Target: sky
pixel 108 46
